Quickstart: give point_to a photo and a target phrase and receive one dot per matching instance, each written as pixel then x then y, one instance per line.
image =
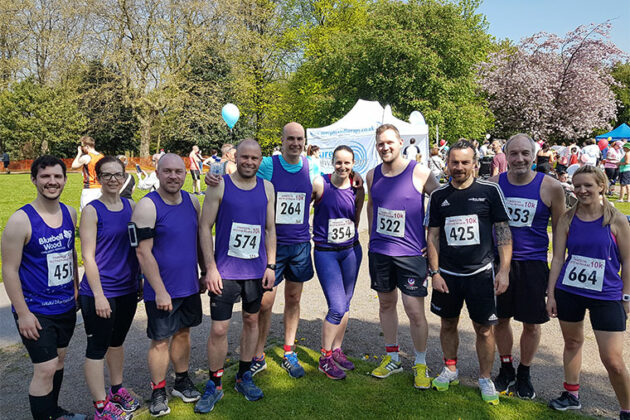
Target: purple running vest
pixel 175 247
pixel 332 211
pixel 396 196
pixel 240 232
pixel 116 259
pixel 46 270
pixel 285 182
pixel 529 217
pixel 592 265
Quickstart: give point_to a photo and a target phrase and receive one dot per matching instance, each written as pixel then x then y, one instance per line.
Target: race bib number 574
pixel 244 241
pixel 462 230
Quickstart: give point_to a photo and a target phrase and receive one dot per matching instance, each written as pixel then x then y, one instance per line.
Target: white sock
pixel 393 354
pixel 421 357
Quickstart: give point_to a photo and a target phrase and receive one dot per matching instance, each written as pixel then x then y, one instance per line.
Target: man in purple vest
pixel 240 266
pixel 166 223
pixel 531 198
pixel 397 260
pixel 39 267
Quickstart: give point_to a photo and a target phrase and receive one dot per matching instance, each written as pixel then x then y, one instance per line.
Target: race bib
pixel 462 230
pixel 585 273
pixel 60 268
pixel 290 208
pixel 340 230
pixel 244 241
pixel 391 222
pixel 522 211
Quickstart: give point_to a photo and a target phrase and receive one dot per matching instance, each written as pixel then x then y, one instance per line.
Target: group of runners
pixel 480 242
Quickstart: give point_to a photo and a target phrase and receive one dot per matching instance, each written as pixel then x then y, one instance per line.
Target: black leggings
pixel 103 333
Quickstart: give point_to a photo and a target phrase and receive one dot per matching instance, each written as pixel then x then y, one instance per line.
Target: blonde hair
pixel 602 180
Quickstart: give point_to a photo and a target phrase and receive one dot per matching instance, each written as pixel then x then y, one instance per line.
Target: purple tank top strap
pixel 334 218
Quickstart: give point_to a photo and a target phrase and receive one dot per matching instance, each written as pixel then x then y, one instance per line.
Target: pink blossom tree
pixel 553 87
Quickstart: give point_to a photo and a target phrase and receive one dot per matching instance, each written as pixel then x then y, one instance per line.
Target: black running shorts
pixel 186 313
pixel 606 315
pixel 409 274
pixel 525 297
pixel 250 291
pixel 55 334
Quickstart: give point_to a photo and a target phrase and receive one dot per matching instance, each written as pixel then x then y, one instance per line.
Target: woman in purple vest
pixel 337 254
pixel 597 239
pixel 108 291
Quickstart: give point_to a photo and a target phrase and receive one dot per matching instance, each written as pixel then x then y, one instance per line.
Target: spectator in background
pixel 86 159
pixel 129 184
pixel 6 161
pixel 499 162
pixel 544 159
pixel 574 155
pixel 195 169
pixel 624 173
pixel 436 164
pixel 150 181
pixel 611 164
pixel 276 151
pixel 591 153
pixel 312 154
pixel 412 152
pixel 228 152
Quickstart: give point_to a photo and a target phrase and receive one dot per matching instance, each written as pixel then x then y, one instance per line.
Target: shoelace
pixel 292 358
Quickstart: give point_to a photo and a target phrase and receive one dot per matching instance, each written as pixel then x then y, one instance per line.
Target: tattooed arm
pixel 504 244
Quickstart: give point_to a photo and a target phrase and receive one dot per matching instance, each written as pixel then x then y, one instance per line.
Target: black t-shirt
pixel 465 218
pixel 126 192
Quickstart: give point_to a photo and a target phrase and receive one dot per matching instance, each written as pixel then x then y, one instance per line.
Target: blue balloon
pixel 230 114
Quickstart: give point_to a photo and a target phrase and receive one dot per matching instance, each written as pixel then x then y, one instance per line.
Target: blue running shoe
pixel 210 397
pixel 291 364
pixel 246 386
pixel 258 365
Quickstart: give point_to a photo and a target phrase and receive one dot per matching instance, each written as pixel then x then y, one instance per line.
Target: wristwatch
pixel 625 298
pixel 271 267
pixel 433 272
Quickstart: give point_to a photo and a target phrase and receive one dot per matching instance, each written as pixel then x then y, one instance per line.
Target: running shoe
pixel 488 393
pixel 159 403
pixel 566 401
pixel 387 367
pixel 524 387
pixel 291 364
pixel 505 380
pixel 246 386
pixel 210 397
pixel 185 389
pixel 62 414
pixel 421 378
pixel 124 400
pixel 342 361
pixel 258 365
pixel 445 379
pixel 328 367
pixel 111 411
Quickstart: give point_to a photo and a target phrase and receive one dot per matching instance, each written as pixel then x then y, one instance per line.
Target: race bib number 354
pixel 340 230
pixel 391 222
pixel 584 273
pixel 60 268
pixel 244 241
pixel 522 211
pixel 290 208
pixel 462 230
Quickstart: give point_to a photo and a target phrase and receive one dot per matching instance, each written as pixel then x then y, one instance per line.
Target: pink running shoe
pixel 328 366
pixel 341 360
pixel 112 412
pixel 124 400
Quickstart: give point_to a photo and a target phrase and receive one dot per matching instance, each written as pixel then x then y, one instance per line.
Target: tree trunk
pixel 145 136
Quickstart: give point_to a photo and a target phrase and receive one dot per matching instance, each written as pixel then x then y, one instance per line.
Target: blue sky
pixel 516 19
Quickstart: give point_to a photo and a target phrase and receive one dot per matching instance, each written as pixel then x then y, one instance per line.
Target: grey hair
pixel 521 136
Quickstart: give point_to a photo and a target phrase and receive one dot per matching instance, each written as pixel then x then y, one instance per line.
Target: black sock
pixel 114 389
pixel 57 379
pixel 44 407
pixel 215 376
pixel 180 376
pixel 522 369
pixel 243 367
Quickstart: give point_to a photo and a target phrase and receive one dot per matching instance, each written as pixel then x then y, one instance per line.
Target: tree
pixel 621 73
pixel 553 87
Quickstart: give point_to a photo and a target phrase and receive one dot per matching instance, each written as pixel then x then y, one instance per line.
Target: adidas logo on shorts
pixel 493 317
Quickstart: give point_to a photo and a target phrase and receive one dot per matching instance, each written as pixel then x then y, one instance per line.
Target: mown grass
pixel 359 396
pixel 17 190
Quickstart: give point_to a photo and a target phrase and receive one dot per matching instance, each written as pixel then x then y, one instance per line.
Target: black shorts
pixel 103 333
pixel 624 178
pixel 606 315
pixel 55 334
pixel 195 174
pixel 524 298
pixel 476 290
pixel 251 291
pixel 409 274
pixel 186 313
pixel 612 174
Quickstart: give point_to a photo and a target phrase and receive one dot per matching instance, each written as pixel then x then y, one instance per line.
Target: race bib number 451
pixel 290 208
pixel 244 241
pixel 522 211
pixel 60 268
pixel 462 230
pixel 391 222
pixel 585 273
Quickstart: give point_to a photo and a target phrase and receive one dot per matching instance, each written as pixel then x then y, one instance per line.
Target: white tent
pixel 357 130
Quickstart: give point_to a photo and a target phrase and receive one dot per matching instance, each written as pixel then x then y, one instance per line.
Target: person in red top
pixel 499 162
pixel 86 159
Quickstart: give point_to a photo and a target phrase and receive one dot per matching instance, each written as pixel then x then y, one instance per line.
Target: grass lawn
pixel 17 190
pixel 359 396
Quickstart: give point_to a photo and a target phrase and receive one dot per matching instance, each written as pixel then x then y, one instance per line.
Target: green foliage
pixel 621 73
pixel 38 119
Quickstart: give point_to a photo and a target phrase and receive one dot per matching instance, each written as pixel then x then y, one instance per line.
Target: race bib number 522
pixel 462 230
pixel 585 273
pixel 60 268
pixel 391 222
pixel 290 208
pixel 244 241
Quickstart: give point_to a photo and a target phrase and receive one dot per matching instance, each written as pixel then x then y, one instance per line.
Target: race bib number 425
pixel 340 230
pixel 522 211
pixel 244 241
pixel 585 273
pixel 462 230
pixel 290 208
pixel 60 268
pixel 391 222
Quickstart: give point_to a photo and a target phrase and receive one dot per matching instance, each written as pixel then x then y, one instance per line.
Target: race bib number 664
pixel 584 273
